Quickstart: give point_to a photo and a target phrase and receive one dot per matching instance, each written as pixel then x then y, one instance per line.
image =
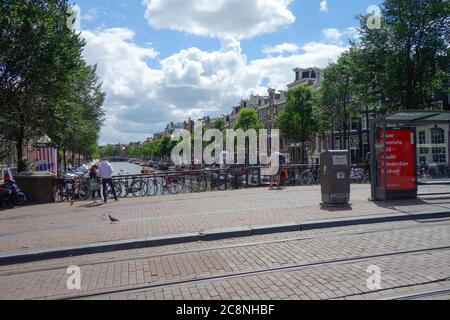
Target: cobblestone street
pixel 413 256
pixel 59 225
pixel 329 264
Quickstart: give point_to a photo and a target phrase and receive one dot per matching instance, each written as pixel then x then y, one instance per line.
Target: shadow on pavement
pixel 91 205
pixel 336 208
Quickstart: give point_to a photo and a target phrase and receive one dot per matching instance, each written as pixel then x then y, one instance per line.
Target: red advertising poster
pixel 397 159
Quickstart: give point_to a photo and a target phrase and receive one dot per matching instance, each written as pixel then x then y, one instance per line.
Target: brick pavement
pixel 56 225
pixel 320 283
pixel 325 282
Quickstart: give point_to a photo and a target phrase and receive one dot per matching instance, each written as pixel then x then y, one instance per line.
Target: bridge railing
pixel 191 181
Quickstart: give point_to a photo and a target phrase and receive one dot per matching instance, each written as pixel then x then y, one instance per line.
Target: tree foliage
pixel 46 88
pixel 406 62
pixel 339 97
pixel 300 120
pixel 248 119
pixel 109 151
pixel 219 124
pixel 157 148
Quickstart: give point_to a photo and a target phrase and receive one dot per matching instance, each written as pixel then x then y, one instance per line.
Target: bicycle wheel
pixel 83 191
pixel 69 192
pixel 221 183
pixel 117 188
pixel 306 178
pixel 58 194
pixel 295 177
pixel 175 186
pixel 139 188
pixel 199 184
pixel 152 188
pixel 365 177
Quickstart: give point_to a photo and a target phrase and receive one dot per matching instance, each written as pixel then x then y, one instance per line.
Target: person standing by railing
pixel 94 183
pixel 278 177
pixel 106 171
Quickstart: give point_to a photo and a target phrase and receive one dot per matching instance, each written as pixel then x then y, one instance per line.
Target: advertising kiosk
pixel 397 142
pixel 395 162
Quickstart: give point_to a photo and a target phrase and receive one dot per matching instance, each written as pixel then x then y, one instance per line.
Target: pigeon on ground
pixel 113 220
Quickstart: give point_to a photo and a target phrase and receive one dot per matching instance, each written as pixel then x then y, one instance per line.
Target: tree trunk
pixel 64 159
pixel 21 165
pixel 59 161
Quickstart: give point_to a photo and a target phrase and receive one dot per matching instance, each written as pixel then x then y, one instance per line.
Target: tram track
pixel 421 295
pixel 100 261
pixel 408 296
pixel 293 267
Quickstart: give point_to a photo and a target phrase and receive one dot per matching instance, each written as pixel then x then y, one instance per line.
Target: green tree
pixel 219 124
pixel 407 61
pixel 339 102
pixel 166 146
pixel 248 119
pixel 157 148
pixel 298 122
pixel 109 151
pixel 78 116
pixel 38 55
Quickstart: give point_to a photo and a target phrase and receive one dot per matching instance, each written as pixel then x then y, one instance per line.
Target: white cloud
pixel 281 48
pixel 141 100
pixel 220 18
pixel 279 69
pixel 352 33
pixel 335 36
pixel 332 34
pixel 323 6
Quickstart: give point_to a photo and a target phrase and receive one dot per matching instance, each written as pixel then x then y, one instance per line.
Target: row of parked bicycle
pixel 194 182
pixel 432 171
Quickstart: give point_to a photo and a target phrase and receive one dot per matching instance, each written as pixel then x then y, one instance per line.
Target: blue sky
pixel 168 60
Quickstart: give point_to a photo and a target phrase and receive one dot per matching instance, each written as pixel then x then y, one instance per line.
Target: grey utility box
pixel 335 177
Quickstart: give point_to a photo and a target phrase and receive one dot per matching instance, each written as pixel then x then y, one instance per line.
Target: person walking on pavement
pixel 106 170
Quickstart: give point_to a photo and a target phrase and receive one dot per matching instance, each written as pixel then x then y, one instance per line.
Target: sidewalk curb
pixel 210 235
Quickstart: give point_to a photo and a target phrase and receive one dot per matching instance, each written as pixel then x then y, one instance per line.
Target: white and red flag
pixel 46 159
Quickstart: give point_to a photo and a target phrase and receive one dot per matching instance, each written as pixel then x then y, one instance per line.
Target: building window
pixel 313 75
pixel 337 144
pixel 437 136
pixel 364 123
pixel 422 137
pixel 305 75
pixel 261 115
pixel 439 155
pixel 354 143
pixel 424 150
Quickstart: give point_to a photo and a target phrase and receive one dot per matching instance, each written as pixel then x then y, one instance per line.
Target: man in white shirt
pixel 106 170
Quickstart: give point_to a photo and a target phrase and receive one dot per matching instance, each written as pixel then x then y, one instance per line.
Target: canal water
pixel 125 168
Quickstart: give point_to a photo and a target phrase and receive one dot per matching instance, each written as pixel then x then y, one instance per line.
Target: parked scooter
pixel 10 192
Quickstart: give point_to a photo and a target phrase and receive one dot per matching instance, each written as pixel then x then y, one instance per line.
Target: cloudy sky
pixel 168 60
